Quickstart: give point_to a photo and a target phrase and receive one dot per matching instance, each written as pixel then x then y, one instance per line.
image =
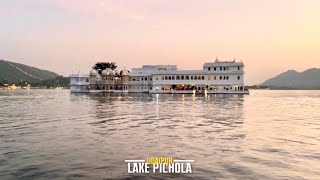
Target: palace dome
pixel 124 73
pixel 108 71
pixel 93 72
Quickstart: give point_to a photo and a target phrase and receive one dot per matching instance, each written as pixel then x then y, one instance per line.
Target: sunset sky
pixel 66 36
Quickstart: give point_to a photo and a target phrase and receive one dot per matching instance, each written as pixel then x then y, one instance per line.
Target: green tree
pixel 100 66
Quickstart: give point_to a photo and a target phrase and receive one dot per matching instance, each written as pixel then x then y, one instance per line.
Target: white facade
pixel 216 77
pixel 79 83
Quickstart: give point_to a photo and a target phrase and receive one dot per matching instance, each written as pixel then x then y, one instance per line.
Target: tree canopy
pixel 100 66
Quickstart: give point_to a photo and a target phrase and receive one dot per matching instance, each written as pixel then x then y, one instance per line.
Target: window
pixel 187 77
pixel 220 68
pixel 238 77
pixel 191 77
pixel 215 78
pixel 146 79
pixel 87 80
pixel 199 77
pixel 162 78
pixel 157 78
pixel 202 77
pixel 224 77
pixel 220 77
pixel 172 77
pixel 182 77
pixel 195 78
pixel 227 77
pixel 141 79
pixel 178 77
pixel 209 68
pixel 150 79
pixel 208 77
pixel 224 68
pixel 214 68
pixel 238 68
pixel 166 78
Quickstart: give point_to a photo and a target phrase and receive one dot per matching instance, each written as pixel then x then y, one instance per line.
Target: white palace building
pixel 226 77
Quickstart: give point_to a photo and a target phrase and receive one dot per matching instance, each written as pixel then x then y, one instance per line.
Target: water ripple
pixel 49 134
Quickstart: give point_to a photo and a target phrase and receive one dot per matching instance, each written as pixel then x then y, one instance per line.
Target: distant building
pixel 215 77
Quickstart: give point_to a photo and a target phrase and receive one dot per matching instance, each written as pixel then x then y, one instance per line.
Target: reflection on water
pixel 50 134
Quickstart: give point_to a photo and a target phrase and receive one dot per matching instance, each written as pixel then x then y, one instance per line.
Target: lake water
pixel 52 134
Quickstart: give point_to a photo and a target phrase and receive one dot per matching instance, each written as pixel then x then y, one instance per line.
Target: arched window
pixel 169 77
pixel 187 77
pixel 178 77
pixel 182 77
pixel 172 77
pixel 166 78
pixel 199 77
pixel 195 78
pixel 220 77
pixel 227 77
pixel 146 79
pixel 215 78
pixel 238 77
pixel 202 77
pixel 191 77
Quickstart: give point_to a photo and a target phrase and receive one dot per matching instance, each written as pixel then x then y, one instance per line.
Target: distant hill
pixel 11 72
pixel 309 79
pixel 59 81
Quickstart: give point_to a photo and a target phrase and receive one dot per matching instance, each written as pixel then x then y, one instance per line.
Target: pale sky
pixel 65 36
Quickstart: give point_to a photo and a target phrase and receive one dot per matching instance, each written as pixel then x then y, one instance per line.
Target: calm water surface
pixel 52 134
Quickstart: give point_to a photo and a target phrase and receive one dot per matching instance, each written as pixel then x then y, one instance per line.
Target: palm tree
pixel 100 66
